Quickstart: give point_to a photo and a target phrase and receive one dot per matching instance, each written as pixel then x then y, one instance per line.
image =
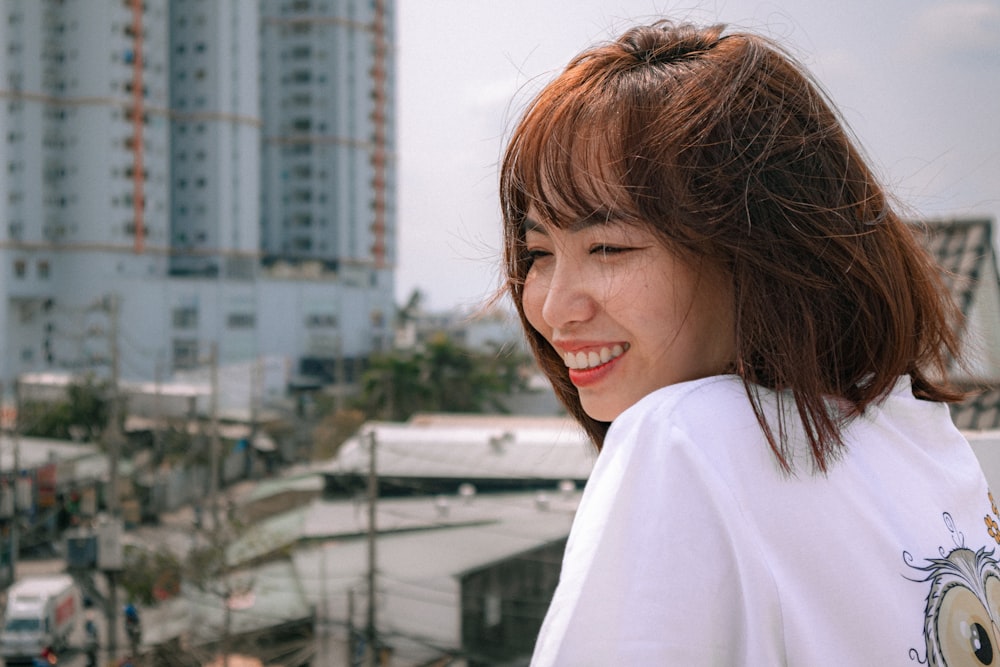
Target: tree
pixel 86 408
pixel 150 575
pixel 442 376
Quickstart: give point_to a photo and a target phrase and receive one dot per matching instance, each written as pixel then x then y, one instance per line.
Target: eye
pixel 607 249
pixel 535 254
pixel 965 630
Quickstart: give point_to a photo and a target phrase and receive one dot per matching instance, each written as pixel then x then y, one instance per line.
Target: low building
pixel 460 577
pixel 432 454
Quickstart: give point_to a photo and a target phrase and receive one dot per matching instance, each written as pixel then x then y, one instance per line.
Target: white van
pixel 41 612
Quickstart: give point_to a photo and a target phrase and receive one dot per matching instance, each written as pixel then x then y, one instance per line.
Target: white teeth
pixel 592 359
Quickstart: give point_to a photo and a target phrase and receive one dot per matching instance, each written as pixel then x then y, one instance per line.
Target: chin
pixel 602 413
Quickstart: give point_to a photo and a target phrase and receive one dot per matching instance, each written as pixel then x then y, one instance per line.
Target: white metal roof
pixel 34 452
pixel 419 572
pixel 468 448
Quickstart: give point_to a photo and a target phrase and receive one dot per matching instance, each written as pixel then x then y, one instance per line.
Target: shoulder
pixel 708 414
pixel 660 521
pixel 695 398
pixel 687 443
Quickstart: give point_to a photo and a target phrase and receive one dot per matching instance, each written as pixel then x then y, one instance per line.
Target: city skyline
pixel 187 182
pixel 918 82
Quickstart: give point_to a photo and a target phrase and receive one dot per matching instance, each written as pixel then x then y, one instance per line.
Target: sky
pixel 918 82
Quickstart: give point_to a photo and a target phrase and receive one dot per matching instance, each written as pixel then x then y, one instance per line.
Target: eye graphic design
pixel 966 632
pixel 963 607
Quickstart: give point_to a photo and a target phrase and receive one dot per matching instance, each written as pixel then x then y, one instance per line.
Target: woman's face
pixel 626 315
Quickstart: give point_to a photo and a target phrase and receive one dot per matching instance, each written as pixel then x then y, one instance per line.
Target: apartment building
pixel 185 172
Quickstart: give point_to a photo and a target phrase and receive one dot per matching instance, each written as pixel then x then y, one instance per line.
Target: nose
pixel 569 297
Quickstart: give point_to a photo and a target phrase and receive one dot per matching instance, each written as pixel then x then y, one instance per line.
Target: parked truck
pixel 41 613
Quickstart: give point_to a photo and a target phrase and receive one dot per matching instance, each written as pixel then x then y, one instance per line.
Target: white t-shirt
pixel 692 547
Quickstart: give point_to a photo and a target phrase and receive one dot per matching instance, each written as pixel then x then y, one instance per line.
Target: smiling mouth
pixel 581 361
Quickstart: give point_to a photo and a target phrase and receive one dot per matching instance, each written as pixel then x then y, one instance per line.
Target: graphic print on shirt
pixel 962 615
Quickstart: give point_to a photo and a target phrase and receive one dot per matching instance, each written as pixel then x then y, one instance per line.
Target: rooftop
pixel 470 447
pixel 965 250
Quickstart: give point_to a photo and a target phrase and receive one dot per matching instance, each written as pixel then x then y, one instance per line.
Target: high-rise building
pixel 183 172
pixel 215 137
pixel 327 114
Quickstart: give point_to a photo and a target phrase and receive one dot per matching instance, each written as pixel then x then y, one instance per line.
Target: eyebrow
pixel 529 224
pixel 599 217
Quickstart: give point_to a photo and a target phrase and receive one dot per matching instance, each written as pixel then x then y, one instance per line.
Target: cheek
pixel 532 301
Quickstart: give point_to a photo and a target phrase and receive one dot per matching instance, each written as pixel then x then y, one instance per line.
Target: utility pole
pixel 8 577
pixel 158 409
pixel 352 646
pixel 113 442
pixel 371 651
pixel 15 524
pixel 256 398
pixel 213 482
pixel 114 412
pixel 339 384
pixel 226 592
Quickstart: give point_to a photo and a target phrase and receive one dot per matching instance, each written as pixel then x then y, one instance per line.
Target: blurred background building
pixel 182 172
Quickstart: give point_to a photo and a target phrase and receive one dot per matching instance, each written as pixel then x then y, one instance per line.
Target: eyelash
pixel 605 249
pixel 602 249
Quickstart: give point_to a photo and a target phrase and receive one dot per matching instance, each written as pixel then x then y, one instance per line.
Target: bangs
pixel 566 163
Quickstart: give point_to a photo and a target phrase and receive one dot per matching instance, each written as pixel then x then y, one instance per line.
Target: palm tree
pixel 442 376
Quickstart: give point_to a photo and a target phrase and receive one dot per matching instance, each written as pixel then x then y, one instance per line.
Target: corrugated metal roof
pixel 470 535
pixel 419 567
pixel 979 412
pixel 462 448
pixel 965 251
pixel 262 597
pixel 268 595
pixel 34 452
pixel 419 572
pixel 266 488
pixel 532 515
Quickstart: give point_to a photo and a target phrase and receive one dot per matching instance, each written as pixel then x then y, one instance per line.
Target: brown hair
pixel 724 146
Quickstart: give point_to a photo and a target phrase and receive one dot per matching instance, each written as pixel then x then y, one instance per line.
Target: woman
pixel 722 295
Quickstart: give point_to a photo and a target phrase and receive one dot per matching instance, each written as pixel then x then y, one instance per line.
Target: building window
pixel 185 353
pixel 185 317
pixel 20 268
pixel 43 269
pixel 241 320
pixel 321 321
